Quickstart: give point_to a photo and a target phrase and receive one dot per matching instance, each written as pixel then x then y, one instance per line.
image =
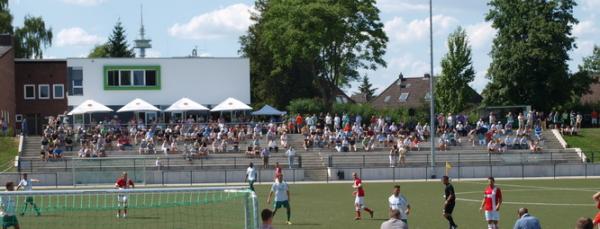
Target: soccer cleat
pixel 371 213
pixel 22 214
pixel 289 223
pixel 124 216
pixel 118 216
pixel 357 218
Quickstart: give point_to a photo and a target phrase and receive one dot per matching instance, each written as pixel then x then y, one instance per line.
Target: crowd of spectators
pixel 340 132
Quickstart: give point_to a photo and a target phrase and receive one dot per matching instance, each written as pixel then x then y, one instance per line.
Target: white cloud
pixel 584 48
pixel 481 34
pixel 399 30
pixel 591 4
pixel 398 5
pixel 85 2
pixel 229 21
pixel 76 36
pixel 584 28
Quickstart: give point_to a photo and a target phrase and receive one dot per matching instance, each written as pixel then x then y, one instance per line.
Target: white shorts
pixel 122 200
pixel 360 202
pixel 492 215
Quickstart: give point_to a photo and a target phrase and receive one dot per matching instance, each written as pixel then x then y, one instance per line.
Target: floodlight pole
pixel 431 98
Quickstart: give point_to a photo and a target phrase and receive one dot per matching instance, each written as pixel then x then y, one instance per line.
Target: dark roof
pixel 359 98
pixel 412 91
pixel 594 95
pixel 35 61
pixel 339 93
pixel 4 50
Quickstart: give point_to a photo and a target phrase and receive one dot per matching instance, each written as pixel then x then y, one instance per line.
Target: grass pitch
pixel 557 203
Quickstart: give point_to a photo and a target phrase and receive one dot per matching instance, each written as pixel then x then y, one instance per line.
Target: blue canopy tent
pixel 267 111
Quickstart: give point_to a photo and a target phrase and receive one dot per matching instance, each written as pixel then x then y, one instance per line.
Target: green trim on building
pixel 131 67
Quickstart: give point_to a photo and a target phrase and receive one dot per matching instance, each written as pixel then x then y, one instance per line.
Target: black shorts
pixel 449 208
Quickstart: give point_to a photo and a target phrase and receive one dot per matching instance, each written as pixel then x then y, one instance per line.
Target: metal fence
pixel 230 176
pixel 458 159
pixel 165 163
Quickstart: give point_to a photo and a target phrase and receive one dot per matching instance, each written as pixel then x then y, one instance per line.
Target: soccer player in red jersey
pixel 359 200
pixel 492 199
pixel 123 183
pixel 596 198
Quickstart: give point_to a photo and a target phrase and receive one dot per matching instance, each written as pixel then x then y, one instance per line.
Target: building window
pixel 75 80
pixel 113 78
pixel 151 78
pixel 125 78
pixel 386 99
pixel 29 91
pixel 403 97
pixel 44 91
pixel 131 77
pixel 18 117
pixel 59 91
pixel 428 96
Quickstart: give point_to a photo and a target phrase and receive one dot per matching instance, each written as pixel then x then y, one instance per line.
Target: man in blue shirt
pixel 526 221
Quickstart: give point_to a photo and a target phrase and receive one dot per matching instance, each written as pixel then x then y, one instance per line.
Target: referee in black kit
pixel 449 201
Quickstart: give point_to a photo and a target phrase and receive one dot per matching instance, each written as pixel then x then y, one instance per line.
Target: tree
pixel 117 43
pixel 327 41
pixel 591 63
pixel 271 85
pixel 99 51
pixel 452 87
pixel 5 18
pixel 530 52
pixel 366 88
pixel 32 38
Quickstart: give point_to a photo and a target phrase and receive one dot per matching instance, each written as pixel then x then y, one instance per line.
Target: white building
pixel 160 81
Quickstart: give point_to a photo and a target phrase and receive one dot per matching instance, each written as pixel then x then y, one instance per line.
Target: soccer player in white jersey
pixel 27 185
pixel 399 202
pixel 8 208
pixel 251 175
pixel 492 199
pixel 123 183
pixel 282 197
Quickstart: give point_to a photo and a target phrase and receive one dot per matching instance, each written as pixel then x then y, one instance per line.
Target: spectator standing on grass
pixel 584 223
pixel 394 222
pixel 3 126
pixel 526 221
pixel 491 204
pixel 594 118
pixel 267 219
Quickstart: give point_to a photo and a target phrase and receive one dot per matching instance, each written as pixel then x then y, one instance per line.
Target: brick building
pixel 7 81
pixel 40 91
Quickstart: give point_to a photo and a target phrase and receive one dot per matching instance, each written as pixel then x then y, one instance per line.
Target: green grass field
pixel 557 203
pixel 587 140
pixel 8 151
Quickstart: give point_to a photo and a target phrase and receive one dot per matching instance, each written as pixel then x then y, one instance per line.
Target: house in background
pixel 592 98
pixel 8 105
pixel 40 91
pixel 410 92
pixel 359 98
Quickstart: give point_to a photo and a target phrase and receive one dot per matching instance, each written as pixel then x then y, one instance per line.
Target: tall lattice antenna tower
pixel 142 44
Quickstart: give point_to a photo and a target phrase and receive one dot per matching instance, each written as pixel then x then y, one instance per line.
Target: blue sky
pixel 177 26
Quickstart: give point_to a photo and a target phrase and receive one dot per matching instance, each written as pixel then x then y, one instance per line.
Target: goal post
pixel 148 208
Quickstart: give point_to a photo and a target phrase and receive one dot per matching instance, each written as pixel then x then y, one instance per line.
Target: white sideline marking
pixel 531 203
pixel 589 189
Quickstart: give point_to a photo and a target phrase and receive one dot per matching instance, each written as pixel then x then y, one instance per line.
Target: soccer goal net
pixel 161 208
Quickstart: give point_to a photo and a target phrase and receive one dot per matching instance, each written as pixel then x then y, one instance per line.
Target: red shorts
pixel 597 219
